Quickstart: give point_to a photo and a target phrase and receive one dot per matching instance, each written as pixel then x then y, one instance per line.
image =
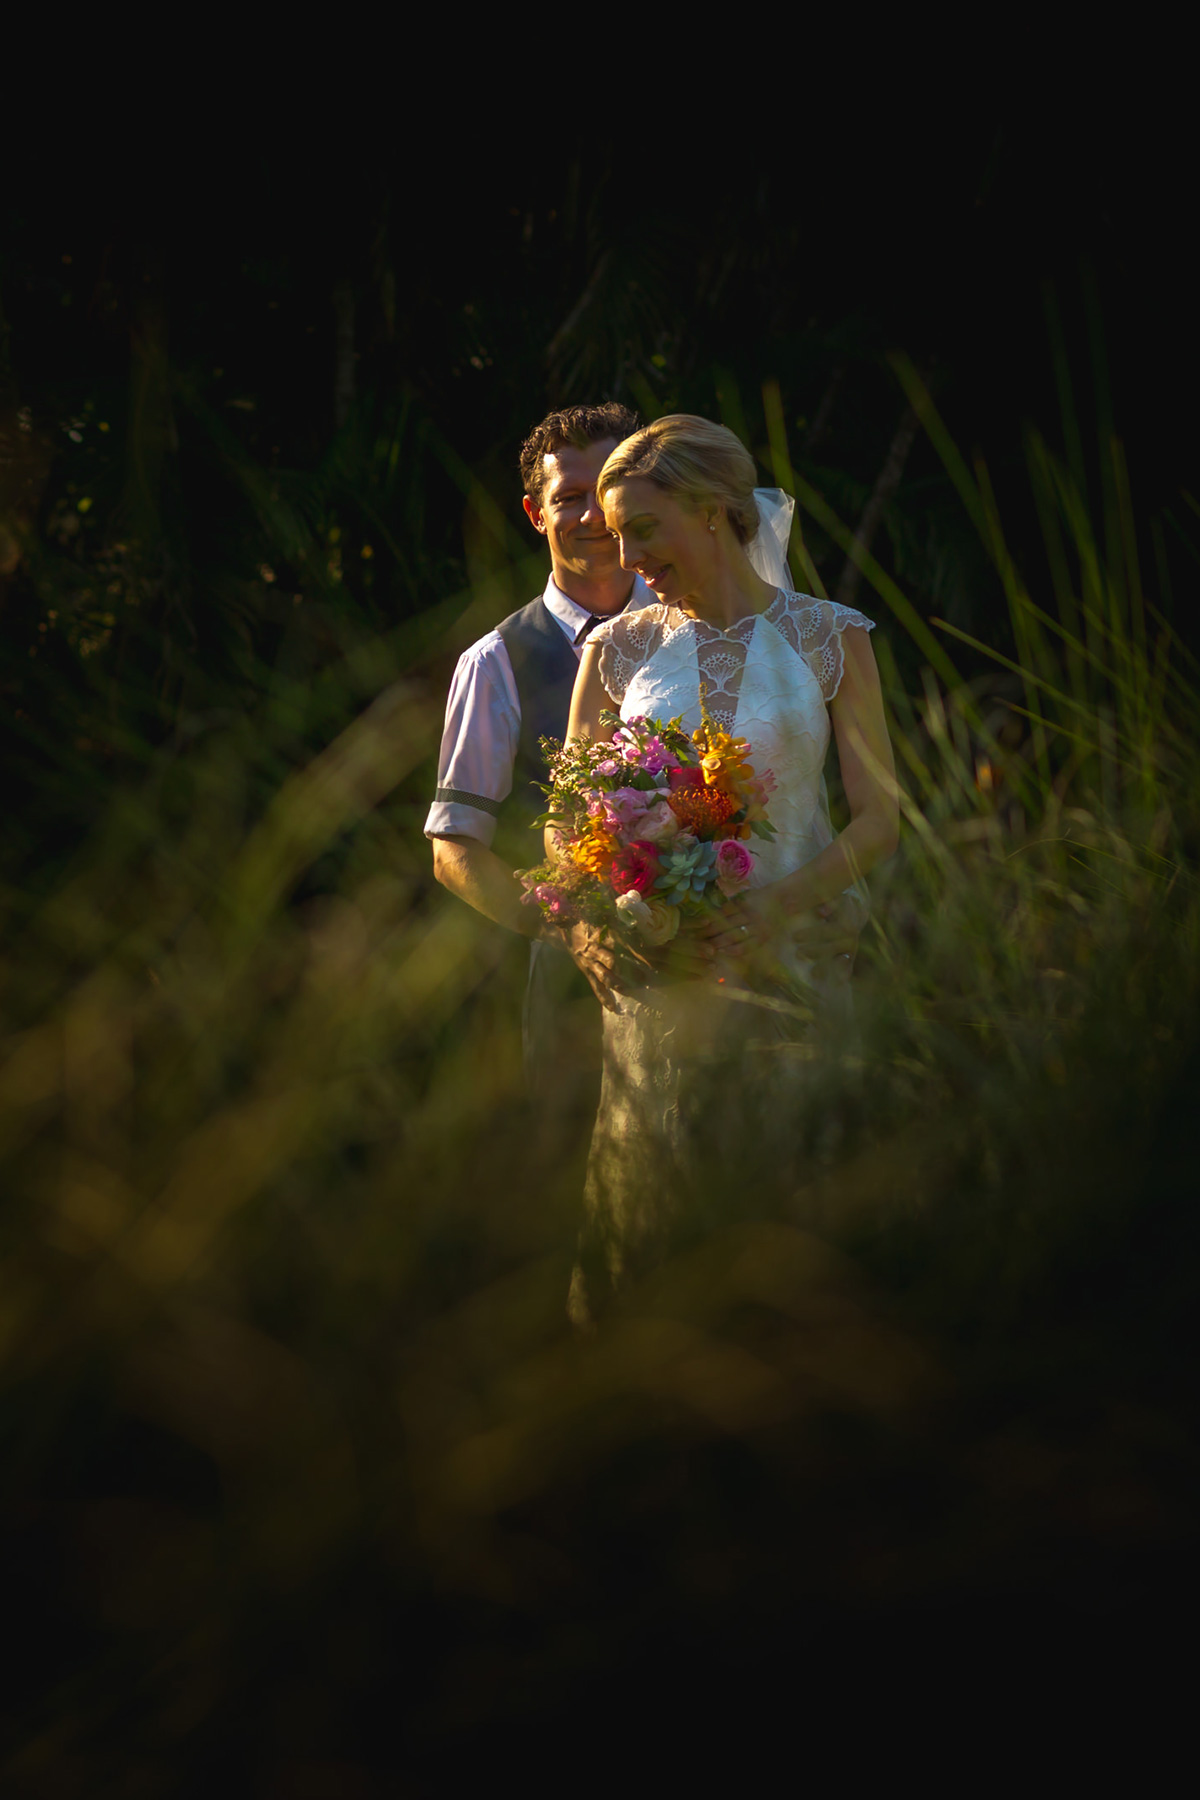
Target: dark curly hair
pixel 578 425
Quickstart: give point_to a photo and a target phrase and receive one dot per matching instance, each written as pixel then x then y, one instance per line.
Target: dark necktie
pixel 589 625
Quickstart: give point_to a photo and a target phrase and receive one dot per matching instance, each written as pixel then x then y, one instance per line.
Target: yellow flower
pixel 595 851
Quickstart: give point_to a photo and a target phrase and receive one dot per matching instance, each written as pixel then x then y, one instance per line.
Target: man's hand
pixel 597 955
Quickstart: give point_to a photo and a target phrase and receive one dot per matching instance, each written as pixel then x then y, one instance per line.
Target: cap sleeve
pixel 626 643
pixel 814 628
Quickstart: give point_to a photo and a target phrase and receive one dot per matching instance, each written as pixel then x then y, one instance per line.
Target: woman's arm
pixel 869 781
pixel 588 700
pixel 590 697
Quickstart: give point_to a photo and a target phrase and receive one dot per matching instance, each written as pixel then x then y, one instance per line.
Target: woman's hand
pixel 688 956
pixel 831 929
pixel 600 958
pixel 755 923
pixel 746 924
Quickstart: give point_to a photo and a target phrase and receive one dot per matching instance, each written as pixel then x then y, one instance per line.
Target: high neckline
pixel 573 616
pixel 730 630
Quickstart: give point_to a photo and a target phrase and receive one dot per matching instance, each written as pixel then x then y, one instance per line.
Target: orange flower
pixel 724 758
pixel 702 810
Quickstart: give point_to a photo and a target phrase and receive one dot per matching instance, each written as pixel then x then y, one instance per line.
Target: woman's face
pixel 668 545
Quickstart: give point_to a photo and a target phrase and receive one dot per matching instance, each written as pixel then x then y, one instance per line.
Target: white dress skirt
pixel 703 1080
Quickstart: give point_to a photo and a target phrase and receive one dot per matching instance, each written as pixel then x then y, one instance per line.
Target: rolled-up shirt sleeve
pixel 479 744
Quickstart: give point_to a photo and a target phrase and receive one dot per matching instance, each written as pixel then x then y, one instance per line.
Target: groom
pixel 511 688
pixel 514 686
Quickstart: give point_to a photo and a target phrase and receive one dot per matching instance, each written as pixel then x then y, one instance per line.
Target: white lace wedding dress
pixel 672 1138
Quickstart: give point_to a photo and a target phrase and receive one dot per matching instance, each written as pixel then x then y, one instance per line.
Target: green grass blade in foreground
pixel 781 463
pixel 818 507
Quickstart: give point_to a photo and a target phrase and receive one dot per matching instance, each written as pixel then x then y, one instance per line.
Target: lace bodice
pixel 769 678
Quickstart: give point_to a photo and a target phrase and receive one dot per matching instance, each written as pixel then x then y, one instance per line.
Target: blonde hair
pixel 693 460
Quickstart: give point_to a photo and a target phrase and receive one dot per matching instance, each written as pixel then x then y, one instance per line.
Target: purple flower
pixel 656 757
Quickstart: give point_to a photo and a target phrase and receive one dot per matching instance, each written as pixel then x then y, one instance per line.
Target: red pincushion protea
pixel 637 866
pixel 704 810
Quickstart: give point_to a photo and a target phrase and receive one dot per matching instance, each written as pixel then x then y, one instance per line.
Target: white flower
pixel 658 825
pixel 633 909
pixel 655 920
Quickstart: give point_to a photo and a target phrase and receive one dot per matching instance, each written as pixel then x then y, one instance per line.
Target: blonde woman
pixel 700 1074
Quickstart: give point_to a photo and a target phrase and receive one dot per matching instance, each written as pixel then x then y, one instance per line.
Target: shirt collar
pixel 573 617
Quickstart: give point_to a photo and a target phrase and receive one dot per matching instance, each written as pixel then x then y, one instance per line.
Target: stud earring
pixel 712 527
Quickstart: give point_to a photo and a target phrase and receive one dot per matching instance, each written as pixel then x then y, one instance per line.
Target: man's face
pixel 568 514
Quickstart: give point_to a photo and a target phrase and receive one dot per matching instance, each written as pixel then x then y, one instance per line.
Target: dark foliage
pixel 309 1491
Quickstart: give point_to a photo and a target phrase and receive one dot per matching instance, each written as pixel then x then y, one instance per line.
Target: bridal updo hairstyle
pixel 694 461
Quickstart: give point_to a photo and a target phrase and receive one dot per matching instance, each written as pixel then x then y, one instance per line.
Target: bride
pixel 703 1069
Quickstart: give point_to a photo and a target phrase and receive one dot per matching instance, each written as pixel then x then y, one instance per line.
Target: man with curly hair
pixel 512 688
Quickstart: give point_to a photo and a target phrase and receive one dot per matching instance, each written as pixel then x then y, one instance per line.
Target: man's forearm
pixel 477 875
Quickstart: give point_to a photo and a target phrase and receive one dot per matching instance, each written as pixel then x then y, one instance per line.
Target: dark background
pixel 320 363
pixel 261 396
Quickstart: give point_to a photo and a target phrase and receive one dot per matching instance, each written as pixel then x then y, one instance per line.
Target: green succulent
pixel 687 870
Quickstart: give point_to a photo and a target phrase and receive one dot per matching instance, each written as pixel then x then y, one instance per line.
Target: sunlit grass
pixel 273 1194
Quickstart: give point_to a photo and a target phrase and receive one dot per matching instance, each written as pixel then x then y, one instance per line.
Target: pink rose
pixel 735 865
pixel 636 867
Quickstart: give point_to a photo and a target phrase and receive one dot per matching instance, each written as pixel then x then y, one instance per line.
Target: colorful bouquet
pixel 651 827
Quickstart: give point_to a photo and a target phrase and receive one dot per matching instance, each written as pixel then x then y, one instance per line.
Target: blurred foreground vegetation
pixel 309 1487
pixel 309 1484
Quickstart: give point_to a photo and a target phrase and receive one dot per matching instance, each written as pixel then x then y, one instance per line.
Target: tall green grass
pixel 282 1326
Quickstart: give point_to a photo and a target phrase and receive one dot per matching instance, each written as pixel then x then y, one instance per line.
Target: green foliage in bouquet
pixel 649 825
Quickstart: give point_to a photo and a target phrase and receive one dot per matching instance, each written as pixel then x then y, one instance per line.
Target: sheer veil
pixel 768 549
pixel 768 556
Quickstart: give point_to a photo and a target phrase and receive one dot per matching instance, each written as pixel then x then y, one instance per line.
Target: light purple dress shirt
pixel 483 724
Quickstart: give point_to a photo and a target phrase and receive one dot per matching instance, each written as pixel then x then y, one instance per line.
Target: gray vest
pixel 544 666
pixel 561 1021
